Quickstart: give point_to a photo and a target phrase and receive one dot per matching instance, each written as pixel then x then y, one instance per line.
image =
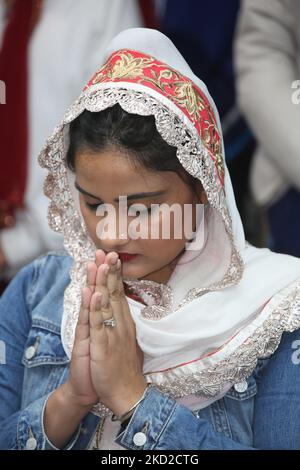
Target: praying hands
pixel 106 362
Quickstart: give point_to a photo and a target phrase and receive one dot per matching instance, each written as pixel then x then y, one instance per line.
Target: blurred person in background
pixel 47 50
pixel 211 57
pixel 267 53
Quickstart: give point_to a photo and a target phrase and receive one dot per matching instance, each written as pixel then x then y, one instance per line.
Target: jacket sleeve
pixel 159 423
pixel 19 428
pixel 265 61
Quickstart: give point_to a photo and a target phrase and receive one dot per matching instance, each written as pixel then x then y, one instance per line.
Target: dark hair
pixel 137 135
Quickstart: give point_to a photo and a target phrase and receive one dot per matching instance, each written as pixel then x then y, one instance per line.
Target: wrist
pixel 128 408
pixel 62 416
pixel 70 398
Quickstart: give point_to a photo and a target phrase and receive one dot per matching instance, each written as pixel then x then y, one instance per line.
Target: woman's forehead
pixel 115 164
pixel 116 174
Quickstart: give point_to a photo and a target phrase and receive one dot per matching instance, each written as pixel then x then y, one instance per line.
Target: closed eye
pixel 92 207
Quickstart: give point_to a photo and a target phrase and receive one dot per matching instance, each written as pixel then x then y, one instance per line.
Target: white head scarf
pixel 229 305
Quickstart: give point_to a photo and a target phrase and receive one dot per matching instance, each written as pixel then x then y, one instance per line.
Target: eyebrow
pixel 129 196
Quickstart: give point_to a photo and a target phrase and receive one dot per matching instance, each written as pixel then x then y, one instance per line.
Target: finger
pixel 106 308
pixel 101 282
pixel 118 299
pixel 82 330
pixel 95 315
pixel 99 257
pixel 120 278
pixel 110 270
pixel 121 292
pixel 111 258
pixel 113 288
pixel 98 333
pixel 101 276
pixel 91 275
pixel 116 309
pixel 114 278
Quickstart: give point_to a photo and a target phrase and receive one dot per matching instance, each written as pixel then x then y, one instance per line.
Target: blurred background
pixel 248 54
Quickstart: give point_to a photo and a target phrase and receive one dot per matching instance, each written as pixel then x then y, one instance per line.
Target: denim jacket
pixel 264 414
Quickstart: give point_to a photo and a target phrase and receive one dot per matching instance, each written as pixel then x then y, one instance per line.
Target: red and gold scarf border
pixel 130 66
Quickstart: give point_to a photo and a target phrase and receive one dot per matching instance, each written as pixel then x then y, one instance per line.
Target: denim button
pixel 31 443
pixel 30 352
pixel 241 386
pixel 139 439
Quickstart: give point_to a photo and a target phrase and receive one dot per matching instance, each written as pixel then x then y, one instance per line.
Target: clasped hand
pixel 106 363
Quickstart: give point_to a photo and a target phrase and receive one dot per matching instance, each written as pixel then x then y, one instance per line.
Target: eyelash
pixel 93 207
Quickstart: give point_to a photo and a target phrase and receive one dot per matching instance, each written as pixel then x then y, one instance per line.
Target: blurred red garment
pixel 148 12
pixel 22 18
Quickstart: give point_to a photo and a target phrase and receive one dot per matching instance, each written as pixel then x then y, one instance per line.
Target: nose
pixel 114 244
pixel 112 233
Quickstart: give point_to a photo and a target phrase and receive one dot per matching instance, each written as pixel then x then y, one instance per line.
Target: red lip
pixel 124 257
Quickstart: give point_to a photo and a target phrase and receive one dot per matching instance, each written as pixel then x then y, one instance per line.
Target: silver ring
pixel 110 322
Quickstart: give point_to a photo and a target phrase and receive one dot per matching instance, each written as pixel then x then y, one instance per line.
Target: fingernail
pixel 118 264
pixel 114 258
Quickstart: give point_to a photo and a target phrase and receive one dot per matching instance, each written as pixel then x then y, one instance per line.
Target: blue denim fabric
pixel 266 415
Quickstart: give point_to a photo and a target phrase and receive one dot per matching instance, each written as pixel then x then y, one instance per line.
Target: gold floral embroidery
pixel 134 66
pixel 126 66
pixel 187 97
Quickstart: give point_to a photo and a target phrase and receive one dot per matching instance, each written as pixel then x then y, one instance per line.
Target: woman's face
pixel 101 177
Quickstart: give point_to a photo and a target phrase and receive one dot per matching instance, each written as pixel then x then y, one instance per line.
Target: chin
pixel 131 271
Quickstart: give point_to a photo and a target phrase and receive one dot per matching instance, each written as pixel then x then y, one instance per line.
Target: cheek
pixel 158 253
pixel 163 243
pixel 90 220
pixel 172 224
